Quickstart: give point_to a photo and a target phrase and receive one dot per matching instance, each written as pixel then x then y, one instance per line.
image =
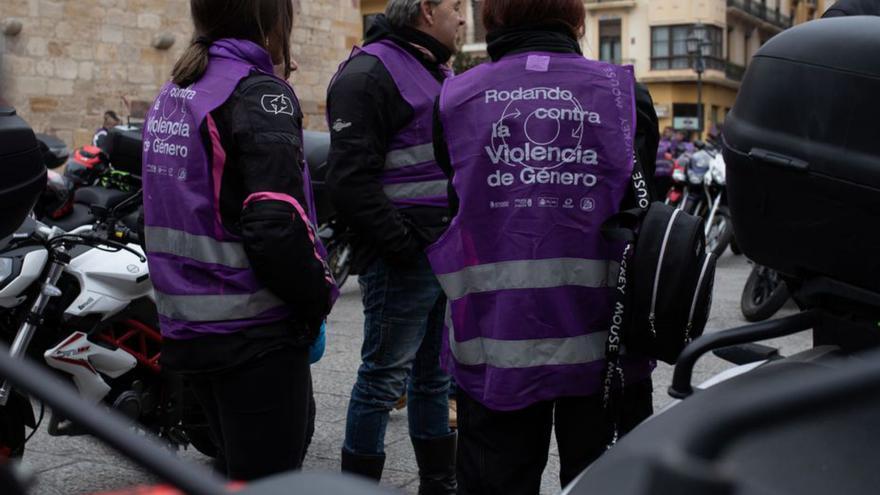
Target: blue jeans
pixel 404 310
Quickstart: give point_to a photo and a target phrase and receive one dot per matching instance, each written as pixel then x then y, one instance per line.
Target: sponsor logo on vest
pixel 547 202
pixel 277 104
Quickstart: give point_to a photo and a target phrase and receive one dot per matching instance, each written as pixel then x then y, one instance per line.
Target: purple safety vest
pixel 541 145
pixel 201 274
pixel 411 176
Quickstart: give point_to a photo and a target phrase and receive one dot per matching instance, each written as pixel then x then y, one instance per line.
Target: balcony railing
pixel 734 72
pixel 760 10
pixel 603 4
pixel 684 62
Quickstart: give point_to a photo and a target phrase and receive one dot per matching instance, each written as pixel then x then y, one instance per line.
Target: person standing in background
pixel 386 185
pixel 540 145
pixel 111 120
pixel 242 285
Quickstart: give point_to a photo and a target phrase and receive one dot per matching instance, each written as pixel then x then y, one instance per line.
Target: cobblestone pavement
pixel 81 465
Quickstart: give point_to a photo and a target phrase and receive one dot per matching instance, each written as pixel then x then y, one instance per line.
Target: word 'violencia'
pixel 535 153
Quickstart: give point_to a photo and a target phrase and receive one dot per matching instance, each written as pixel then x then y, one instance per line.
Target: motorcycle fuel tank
pixel 109 282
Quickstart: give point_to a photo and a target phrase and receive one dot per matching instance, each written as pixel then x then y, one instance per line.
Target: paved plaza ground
pixel 81 465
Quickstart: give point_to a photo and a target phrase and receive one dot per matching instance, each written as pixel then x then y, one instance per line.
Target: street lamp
pixel 695 42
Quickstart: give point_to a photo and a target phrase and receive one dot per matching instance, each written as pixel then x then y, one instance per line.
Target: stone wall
pixel 74 59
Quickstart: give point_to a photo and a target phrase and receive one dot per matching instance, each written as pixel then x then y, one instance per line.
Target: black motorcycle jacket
pixel 556 39
pixel 366 111
pixel 263 150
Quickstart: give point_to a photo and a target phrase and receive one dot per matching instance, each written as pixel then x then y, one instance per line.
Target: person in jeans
pixel 242 285
pixel 539 144
pixel 386 185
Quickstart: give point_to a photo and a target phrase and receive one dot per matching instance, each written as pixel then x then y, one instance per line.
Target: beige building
pixel 652 36
pixel 66 62
pixel 808 10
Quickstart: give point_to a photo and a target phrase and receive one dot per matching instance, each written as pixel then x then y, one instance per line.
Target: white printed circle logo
pixel 540 128
pixel 588 204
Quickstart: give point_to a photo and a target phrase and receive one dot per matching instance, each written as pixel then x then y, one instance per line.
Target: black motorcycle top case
pixel 22 173
pixel 802 148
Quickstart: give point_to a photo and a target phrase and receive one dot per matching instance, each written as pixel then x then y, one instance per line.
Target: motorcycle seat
pixel 100 196
pixel 78 216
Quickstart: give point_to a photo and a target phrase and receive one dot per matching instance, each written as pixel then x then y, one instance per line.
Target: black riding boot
pixel 436 459
pixel 368 466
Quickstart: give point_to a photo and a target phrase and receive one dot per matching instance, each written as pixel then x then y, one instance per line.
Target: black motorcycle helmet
pixel 57 199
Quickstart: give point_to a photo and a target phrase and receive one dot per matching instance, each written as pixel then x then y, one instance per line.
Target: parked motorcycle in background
pixel 764 294
pixel 334 235
pixel 82 302
pixel 699 187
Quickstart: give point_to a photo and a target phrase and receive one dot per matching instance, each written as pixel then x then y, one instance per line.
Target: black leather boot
pixel 436 458
pixel 367 466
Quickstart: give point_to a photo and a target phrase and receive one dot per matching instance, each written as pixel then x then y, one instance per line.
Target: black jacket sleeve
pixel 441 154
pixel 365 110
pixel 266 156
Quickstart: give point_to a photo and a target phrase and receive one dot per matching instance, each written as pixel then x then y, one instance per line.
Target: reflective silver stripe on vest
pixel 406 157
pixel 223 307
pixel 529 274
pixel 196 247
pixel 582 349
pixel 417 190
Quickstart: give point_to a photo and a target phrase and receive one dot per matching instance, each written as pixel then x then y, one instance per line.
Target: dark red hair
pixel 503 14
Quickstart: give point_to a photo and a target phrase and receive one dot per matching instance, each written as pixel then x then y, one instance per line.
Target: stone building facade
pixel 67 61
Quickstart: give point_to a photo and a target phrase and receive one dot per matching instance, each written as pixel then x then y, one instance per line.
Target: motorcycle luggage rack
pixel 681 379
pixel 826 297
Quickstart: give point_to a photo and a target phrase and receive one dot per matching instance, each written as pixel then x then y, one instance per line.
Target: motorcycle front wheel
pixel 12 433
pixel 720 232
pixel 764 294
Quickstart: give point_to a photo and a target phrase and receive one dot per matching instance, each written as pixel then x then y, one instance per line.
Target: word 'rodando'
pixel 520 94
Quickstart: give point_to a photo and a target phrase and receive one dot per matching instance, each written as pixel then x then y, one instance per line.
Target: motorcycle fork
pixel 715 205
pixel 48 290
pixel 685 196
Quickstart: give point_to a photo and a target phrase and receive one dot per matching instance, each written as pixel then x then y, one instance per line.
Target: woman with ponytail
pixel 242 285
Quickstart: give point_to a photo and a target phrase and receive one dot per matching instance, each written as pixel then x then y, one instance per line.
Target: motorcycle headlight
pixel 695 179
pixel 6 265
pixel 678 175
pixel 718 176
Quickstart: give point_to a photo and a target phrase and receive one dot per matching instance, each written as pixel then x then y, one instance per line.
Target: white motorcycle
pixel 82 302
